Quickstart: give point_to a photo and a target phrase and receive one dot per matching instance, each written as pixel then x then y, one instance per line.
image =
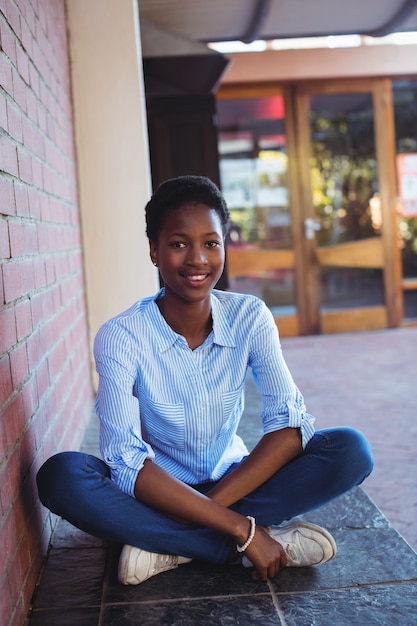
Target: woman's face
pixel 190 252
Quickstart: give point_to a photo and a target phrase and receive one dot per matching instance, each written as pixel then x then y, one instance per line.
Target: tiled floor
pixel 365 380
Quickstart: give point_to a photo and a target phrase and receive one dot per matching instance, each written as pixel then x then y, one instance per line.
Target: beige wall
pixel 112 154
pixel 322 63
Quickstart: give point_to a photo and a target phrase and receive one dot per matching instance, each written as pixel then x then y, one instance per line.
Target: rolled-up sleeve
pixel 282 403
pixel 121 444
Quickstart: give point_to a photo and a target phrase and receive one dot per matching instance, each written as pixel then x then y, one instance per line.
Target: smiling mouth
pixel 195 278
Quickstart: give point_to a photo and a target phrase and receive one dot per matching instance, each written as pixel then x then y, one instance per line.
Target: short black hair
pixel 175 192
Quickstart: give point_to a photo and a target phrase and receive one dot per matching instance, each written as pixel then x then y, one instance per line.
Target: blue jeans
pixel 78 487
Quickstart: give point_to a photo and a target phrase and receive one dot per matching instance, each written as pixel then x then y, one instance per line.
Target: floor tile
pixel 364 557
pixel 384 605
pixel 69 617
pixel 68 536
pixel 245 611
pixel 72 578
pixel 194 580
pixel 352 510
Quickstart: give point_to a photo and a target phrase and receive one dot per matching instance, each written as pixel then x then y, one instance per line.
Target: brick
pixel 7 203
pixel 19 364
pixel 6 385
pixel 6 77
pixel 8 40
pixel 19 89
pixel 28 276
pixel 13 280
pixel 42 379
pixel 44 233
pixel 31 238
pixel 14 122
pixel 17 571
pixel 34 203
pixel 21 199
pixel 41 65
pixel 41 116
pixel 42 307
pixel 29 398
pixel 34 350
pixel 17 238
pixel 3 114
pixel 8 158
pixel 6 604
pixel 7 329
pixel 4 239
pixel 26 37
pixel 39 272
pixel 57 297
pixel 29 14
pixel 23 319
pixel 15 420
pixel 32 137
pixel 9 479
pixel 22 63
pixel 25 165
pixel 31 105
pixel 2 299
pixel 50 270
pixel 37 173
pixel 13 16
pixel 34 78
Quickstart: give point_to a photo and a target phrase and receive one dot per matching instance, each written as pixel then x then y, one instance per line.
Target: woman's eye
pixel 178 244
pixel 212 244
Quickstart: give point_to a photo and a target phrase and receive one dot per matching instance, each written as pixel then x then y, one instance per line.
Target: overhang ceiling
pixel 247 20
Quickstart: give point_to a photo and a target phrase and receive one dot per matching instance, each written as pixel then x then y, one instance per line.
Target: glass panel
pixel 405 111
pixel 254 181
pixel 345 192
pixel 351 287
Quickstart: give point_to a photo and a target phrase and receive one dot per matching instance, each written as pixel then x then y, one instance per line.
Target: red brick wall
pixel 45 385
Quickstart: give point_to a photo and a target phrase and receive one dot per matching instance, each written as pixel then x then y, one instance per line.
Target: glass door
pixel 254 180
pixel 347 213
pixel 309 175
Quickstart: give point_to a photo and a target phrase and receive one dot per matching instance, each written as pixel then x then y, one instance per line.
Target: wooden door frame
pixel 299 151
pixel 297 128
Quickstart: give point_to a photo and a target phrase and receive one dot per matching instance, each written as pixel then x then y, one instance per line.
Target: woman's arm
pixel 160 490
pixel 273 451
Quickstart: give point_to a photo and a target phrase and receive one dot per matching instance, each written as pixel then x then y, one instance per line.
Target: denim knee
pixel 357 452
pixel 50 475
pixel 62 472
pixel 363 450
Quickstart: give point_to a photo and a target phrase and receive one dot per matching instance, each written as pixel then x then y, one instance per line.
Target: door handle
pixel 310 227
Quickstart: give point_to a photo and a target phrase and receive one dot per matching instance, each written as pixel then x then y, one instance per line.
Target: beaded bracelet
pixel 251 535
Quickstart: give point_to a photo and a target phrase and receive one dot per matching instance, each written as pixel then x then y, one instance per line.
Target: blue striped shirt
pixel 158 399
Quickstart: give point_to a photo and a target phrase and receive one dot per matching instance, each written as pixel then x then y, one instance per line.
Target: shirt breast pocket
pixel 232 409
pixel 163 424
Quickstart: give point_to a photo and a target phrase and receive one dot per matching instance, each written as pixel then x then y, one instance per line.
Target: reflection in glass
pixel 345 193
pixel 254 181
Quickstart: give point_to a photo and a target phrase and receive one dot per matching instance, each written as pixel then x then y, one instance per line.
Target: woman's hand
pixel 266 555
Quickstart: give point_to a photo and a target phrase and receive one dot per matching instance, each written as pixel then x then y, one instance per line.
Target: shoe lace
pixel 289 551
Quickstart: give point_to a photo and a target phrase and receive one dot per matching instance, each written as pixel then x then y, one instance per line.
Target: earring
pixel 155 263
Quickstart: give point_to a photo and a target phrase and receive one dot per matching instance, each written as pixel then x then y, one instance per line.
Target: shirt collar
pixel 165 337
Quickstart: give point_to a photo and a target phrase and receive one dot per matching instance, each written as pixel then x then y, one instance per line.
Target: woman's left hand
pixel 266 555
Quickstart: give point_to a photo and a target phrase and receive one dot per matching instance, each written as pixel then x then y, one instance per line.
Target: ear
pixel 153 253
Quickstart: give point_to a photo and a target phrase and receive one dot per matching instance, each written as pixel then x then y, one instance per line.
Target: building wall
pixel 45 382
pixel 113 158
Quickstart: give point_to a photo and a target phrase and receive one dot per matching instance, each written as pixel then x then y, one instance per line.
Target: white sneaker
pixel 305 544
pixel 137 565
